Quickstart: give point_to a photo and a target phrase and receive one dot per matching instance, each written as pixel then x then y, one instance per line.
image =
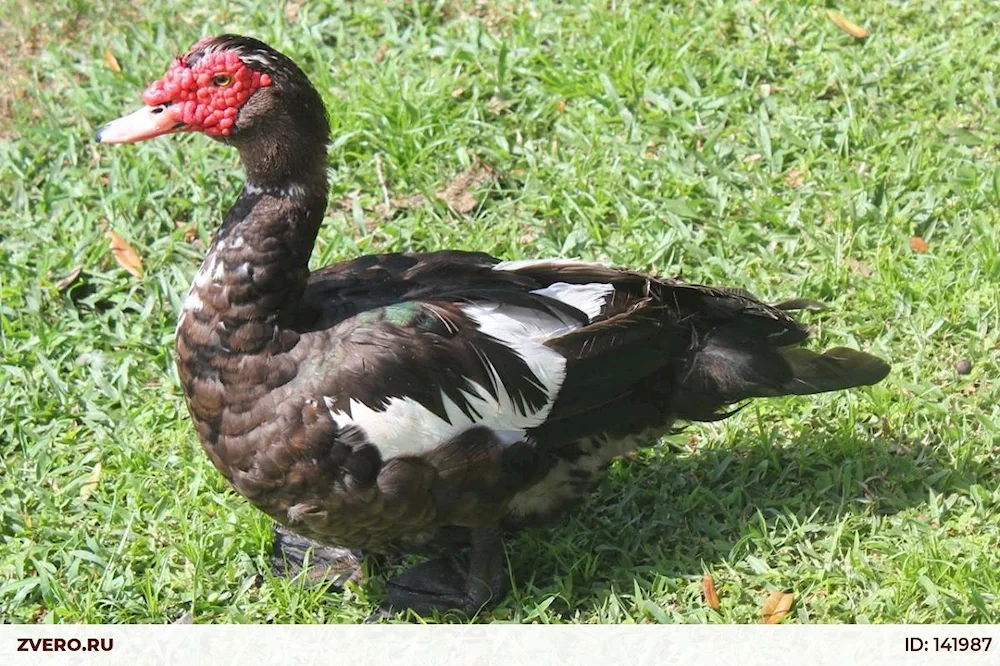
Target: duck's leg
pixel 449 584
pixel 290 552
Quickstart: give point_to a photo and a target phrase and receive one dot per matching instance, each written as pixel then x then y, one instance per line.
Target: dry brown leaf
pixel 292 11
pixel 561 106
pixel 859 267
pixel 776 607
pixel 112 61
pixel 457 194
pixel 919 245
pixel 851 28
pixel 402 203
pixel 70 279
pixel 711 596
pixel 794 178
pixel 497 105
pixel 90 485
pixel 753 157
pixel 125 254
pixel 380 52
pixel 414 201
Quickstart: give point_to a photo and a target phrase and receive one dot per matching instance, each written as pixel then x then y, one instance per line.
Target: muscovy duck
pixel 394 401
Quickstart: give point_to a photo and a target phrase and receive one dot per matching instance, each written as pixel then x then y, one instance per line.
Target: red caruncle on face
pixel 208 95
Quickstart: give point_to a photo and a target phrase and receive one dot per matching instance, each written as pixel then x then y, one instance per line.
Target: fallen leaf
pixel 457 92
pixel 919 245
pixel 292 11
pixel 90 485
pixel 402 203
pixel 125 254
pixel 794 178
pixel 498 105
pixel 561 106
pixel 70 279
pixel 753 157
pixel 711 596
pixel 457 194
pixel 380 52
pixel 112 61
pixel 859 267
pixel 851 28
pixel 414 201
pixel 776 607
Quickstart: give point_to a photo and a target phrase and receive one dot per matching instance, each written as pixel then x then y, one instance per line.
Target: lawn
pixel 748 143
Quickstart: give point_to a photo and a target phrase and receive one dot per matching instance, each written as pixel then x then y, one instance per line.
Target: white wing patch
pixel 518 264
pixel 588 298
pixel 525 330
pixel 405 427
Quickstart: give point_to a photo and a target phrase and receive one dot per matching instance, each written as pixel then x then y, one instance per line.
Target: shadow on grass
pixel 677 513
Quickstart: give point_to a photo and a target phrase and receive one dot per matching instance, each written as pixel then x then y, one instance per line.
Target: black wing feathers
pixel 689 350
pixel 426 351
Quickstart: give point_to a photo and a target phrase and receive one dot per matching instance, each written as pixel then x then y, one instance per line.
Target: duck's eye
pixel 222 80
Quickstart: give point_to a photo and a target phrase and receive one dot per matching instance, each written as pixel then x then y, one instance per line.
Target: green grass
pixel 745 143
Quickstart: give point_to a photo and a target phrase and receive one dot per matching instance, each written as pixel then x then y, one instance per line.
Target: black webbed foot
pixel 291 553
pixel 453 583
pixel 435 585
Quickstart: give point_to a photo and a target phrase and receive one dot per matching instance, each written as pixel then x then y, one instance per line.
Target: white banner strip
pixel 606 645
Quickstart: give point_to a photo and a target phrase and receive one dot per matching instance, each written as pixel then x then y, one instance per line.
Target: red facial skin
pixel 207 96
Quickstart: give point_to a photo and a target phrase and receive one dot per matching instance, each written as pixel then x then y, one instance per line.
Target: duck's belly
pixel 571 479
pixel 474 480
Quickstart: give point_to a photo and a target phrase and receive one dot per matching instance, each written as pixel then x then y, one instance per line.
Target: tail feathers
pixel 730 368
pixel 800 304
pixel 833 370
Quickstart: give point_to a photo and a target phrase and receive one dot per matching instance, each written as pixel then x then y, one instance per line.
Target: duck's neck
pixel 257 267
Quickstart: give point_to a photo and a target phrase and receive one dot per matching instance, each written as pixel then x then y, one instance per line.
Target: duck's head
pixel 231 88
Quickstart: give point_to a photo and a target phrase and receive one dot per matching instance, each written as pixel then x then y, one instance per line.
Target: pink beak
pixel 147 122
